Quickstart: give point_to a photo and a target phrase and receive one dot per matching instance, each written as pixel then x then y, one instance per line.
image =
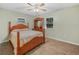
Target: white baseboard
pixel 63 40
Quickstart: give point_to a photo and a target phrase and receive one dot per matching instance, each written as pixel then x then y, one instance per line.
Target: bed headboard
pixel 17 26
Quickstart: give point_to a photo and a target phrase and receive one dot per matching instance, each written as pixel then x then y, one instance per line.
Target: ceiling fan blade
pixel 43 9
pixel 29 4
pixel 42 4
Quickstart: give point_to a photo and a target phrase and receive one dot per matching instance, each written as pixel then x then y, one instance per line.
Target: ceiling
pixel 22 7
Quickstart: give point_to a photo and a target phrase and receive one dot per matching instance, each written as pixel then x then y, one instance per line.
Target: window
pixel 49 22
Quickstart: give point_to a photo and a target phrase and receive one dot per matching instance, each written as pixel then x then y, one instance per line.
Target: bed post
pixel 18 42
pixel 9 27
pixel 43 35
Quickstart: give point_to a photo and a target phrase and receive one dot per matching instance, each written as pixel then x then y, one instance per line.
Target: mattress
pixel 25 36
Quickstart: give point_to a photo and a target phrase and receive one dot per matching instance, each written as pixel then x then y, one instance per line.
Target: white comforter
pixel 25 36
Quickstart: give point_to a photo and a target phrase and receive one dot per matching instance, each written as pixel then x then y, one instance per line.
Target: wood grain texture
pixel 17 26
pixel 30 45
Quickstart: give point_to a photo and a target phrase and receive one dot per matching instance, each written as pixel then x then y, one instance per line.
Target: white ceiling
pixel 22 7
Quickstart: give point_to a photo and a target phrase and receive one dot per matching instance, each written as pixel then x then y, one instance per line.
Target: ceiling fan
pixel 36 7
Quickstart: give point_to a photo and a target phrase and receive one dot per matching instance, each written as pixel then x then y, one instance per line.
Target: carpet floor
pixel 51 47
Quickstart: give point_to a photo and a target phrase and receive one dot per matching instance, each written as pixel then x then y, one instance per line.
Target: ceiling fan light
pixel 36 10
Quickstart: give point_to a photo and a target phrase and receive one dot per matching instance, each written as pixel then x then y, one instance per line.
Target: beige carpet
pixel 51 47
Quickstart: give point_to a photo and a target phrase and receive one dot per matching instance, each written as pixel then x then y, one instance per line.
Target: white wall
pixel 5 17
pixel 66 25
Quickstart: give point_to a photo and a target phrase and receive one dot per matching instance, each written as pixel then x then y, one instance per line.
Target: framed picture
pixel 20 20
pixel 49 22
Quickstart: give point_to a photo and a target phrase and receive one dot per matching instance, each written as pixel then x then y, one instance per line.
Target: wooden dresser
pixel 38 23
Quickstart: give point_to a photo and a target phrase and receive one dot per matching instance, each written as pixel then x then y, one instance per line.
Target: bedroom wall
pixel 5 17
pixel 66 25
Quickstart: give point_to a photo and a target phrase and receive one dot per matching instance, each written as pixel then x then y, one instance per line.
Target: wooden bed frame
pixel 36 41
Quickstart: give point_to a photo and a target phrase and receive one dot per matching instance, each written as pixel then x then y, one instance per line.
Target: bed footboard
pixel 30 45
